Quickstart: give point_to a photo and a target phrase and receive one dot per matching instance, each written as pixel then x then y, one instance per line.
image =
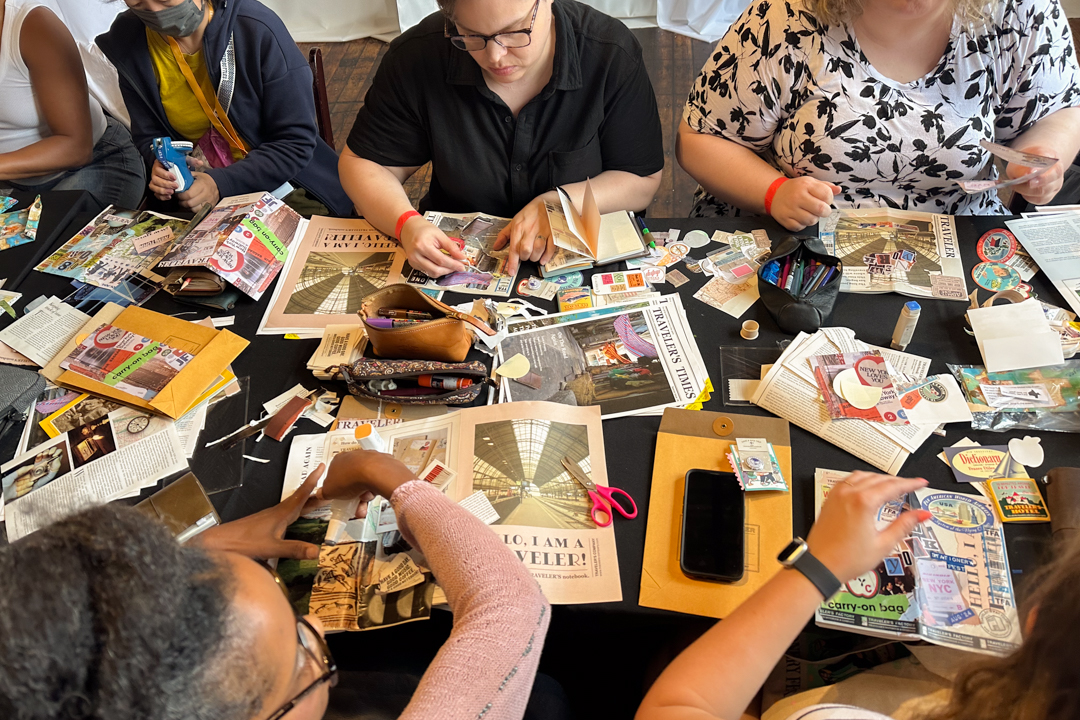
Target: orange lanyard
pixel 216 114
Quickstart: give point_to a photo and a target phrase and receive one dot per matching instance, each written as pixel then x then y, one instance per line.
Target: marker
pixel 785 272
pixel 404 314
pixel 645 231
pixel 813 282
pixel 387 323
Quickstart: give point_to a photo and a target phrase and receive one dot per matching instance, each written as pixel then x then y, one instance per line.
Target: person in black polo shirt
pixel 508 99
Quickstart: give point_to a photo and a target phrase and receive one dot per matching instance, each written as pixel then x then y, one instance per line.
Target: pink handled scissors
pixel 598 494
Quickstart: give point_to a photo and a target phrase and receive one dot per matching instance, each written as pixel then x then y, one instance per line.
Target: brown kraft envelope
pixel 213 349
pixel 687 441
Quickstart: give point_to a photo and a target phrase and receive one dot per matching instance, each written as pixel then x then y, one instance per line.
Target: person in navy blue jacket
pixel 226 75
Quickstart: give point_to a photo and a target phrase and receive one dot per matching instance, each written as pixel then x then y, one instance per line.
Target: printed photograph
pixel 336 283
pixel 611 362
pixel 129 425
pixel 518 464
pixel 91 441
pixel 36 469
pixel 872 237
pixel 82 410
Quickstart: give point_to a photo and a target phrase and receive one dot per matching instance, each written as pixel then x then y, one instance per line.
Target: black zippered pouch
pixel 806 308
pixel 18 389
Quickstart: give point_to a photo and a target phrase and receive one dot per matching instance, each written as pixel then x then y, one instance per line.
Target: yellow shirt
pixel 182 108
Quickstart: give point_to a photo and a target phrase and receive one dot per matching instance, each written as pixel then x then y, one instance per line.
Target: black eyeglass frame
pixel 330 669
pixel 458 41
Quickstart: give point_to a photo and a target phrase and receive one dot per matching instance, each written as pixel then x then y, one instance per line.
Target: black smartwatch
pixel 797 555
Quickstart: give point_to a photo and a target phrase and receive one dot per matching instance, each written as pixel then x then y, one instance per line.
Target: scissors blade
pixel 576 473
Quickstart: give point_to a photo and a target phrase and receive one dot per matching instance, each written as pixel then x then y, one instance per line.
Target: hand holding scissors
pixel 599 494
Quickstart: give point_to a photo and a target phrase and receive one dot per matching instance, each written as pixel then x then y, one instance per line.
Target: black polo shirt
pixel 429 101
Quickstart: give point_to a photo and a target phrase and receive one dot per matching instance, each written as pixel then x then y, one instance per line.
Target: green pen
pixel 645 231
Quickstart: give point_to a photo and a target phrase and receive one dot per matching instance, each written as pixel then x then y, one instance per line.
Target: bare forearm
pixel 50 155
pixel 723 670
pixel 1059 130
pixel 728 171
pixel 616 190
pixel 376 191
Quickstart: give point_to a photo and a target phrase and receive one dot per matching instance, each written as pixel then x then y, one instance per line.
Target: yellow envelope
pixel 213 349
pixel 686 441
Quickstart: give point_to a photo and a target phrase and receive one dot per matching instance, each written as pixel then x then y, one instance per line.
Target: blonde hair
pixel 840 12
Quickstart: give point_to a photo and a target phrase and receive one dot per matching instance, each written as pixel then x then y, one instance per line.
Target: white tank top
pixel 21 122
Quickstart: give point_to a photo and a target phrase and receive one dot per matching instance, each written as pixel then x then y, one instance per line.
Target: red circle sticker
pixel 108 337
pixel 997 246
pixel 228 259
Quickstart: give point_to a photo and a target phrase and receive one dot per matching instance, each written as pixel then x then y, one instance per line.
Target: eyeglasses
pixel 515 39
pixel 314 646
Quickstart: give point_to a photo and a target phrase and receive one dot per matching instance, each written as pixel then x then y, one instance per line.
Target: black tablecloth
pixel 58 209
pixel 626 634
pixel 274 364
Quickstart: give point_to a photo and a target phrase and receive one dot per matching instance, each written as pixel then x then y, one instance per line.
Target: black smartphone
pixel 713 532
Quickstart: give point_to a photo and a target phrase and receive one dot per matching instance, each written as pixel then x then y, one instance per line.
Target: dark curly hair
pixel 104 616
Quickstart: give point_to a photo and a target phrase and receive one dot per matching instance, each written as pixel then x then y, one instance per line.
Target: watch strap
pixel 816 572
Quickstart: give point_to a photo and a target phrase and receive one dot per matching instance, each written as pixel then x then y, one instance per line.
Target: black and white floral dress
pixel 803 96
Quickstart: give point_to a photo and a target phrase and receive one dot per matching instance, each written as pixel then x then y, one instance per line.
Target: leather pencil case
pixel 445 338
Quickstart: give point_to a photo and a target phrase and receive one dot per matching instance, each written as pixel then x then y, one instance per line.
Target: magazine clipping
pixel 631 359
pixel 328 273
pixel 884 250
pixel 485 273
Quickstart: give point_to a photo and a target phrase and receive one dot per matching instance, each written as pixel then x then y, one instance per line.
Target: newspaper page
pixel 880 602
pixel 42 333
pixel 336 263
pixel 963 582
pixel 632 359
pixel 1054 243
pixel 88 465
pixel 895 251
pixel 486 272
pixel 785 394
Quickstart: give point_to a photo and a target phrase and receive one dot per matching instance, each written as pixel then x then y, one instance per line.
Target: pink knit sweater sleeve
pixel 487 665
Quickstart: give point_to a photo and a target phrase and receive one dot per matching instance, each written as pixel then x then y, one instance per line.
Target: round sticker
pixel 108 337
pixel 996 246
pixel 995 276
pixel 523 288
pixel 569 280
pixel 934 392
pixel 957 513
pixel 696 239
pixel 679 249
pixel 228 259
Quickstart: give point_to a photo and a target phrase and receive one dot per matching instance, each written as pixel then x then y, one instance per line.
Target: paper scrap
pixel 515 367
pixel 741 390
pixel 42 333
pixel 481 507
pixel 676 278
pixel 398 573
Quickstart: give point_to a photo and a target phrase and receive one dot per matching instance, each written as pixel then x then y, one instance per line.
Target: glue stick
pixel 342 511
pixel 905 325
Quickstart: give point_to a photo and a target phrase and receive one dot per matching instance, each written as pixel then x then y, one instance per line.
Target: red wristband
pixel 402 220
pixel 770 193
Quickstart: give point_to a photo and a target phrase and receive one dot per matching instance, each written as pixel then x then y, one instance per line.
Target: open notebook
pixel 589 239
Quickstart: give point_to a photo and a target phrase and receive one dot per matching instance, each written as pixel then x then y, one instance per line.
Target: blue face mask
pixel 176 21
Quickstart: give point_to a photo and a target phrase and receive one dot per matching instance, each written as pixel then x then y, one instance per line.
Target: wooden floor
pixel 673 61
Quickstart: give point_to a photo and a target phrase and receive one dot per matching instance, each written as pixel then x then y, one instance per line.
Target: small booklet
pixel 589 239
pixel 949 583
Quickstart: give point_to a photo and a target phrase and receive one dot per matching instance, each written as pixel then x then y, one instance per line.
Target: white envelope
pixel 1015 336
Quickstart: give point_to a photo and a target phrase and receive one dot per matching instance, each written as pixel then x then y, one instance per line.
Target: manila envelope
pixel 213 349
pixel 686 441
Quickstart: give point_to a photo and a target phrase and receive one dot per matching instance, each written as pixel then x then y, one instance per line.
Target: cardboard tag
pixel 948 287
pixel 151 240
